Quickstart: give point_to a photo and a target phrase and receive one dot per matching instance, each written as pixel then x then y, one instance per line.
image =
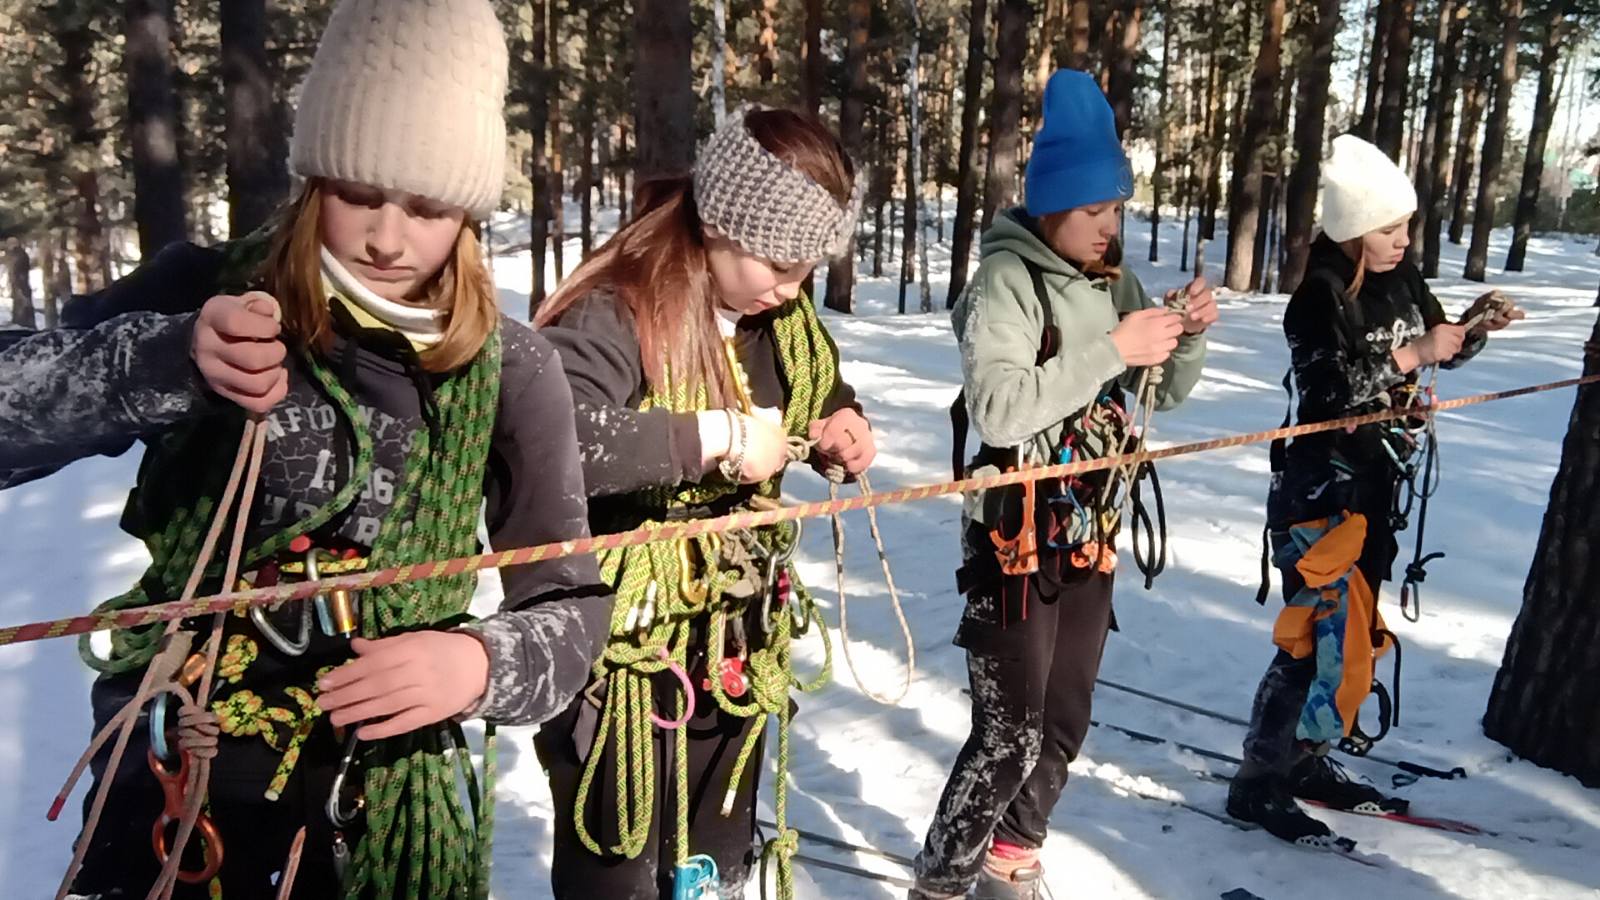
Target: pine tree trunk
pixel 624 196
pixel 1367 127
pixel 1544 108
pixel 1494 142
pixel 1545 705
pixel 539 176
pixel 558 180
pixel 1311 119
pixel 1435 126
pixel 18 268
pixel 663 88
pixel 1396 93
pixel 1245 191
pixel 1122 50
pixel 257 162
pixel 1439 193
pixel 1079 29
pixel 719 61
pixel 158 206
pixel 55 272
pixel 1005 111
pixel 852 112
pixel 914 202
pixel 1211 193
pixel 587 113
pixel 767 42
pixel 1159 179
pixel 967 154
pixel 90 244
pixel 811 59
pixel 1472 104
pixel 882 186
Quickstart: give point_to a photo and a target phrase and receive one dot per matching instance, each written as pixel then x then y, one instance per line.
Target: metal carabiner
pixel 776 560
pixel 297 647
pixel 335 806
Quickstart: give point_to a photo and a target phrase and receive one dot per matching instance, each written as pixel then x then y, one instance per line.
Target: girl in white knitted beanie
pixel 1361 328
pixel 398 404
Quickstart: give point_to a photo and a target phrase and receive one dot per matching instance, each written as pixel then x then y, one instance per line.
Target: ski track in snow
pixel 870 774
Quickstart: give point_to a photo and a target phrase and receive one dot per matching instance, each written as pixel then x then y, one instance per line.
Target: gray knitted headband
pixel 765 205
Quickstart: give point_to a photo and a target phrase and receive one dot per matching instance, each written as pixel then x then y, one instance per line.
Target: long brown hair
pixel 657 262
pixel 1356 249
pixel 292 274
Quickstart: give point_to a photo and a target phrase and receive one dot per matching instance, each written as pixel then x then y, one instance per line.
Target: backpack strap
pixel 1278 456
pixel 1049 345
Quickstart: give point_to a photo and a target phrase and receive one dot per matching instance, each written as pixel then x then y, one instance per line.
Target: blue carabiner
pixel 696 879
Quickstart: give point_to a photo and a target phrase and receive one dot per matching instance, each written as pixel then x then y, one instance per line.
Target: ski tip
pixel 1240 894
pixel 55 809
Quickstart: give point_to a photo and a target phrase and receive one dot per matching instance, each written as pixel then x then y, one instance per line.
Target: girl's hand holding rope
pixel 846 439
pixel 1491 312
pixel 402 683
pixel 1147 337
pixel 237 349
pixel 1200 309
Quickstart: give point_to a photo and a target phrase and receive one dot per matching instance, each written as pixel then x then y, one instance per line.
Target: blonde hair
pixel 1356 248
pixel 292 274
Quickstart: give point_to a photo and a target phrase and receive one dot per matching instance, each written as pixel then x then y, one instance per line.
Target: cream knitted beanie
pixel 408 95
pixel 1362 190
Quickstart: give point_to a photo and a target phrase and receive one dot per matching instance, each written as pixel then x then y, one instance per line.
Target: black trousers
pixel 714 741
pixel 1032 682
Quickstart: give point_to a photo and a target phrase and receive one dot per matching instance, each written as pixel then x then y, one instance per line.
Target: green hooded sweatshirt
pixel 999 323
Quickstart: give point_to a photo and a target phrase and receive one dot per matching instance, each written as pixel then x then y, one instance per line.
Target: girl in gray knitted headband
pixel 690 338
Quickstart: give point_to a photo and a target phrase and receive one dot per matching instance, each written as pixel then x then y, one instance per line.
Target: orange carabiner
pixel 172 810
pixel 1019 555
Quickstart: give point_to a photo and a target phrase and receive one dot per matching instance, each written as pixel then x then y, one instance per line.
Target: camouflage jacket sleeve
pixel 66 394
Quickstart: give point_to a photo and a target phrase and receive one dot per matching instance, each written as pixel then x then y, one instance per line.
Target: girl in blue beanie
pixel 1051 333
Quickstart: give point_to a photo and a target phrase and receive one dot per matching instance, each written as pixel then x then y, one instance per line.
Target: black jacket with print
pixel 70 393
pixel 1342 356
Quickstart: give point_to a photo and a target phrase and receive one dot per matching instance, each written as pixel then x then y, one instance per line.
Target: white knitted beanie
pixel 1362 190
pixel 408 95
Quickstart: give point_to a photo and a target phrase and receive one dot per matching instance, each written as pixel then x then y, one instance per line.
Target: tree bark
pixel 1245 192
pixel 811 59
pixel 558 181
pixel 1545 704
pixel 852 112
pixel 1436 126
pixel 1079 29
pixel 1544 108
pixel 1311 119
pixel 1396 94
pixel 539 176
pixel 1121 52
pixel 967 158
pixel 1005 111
pixel 257 160
pixel 1211 193
pixel 1367 127
pixel 767 42
pixel 1494 142
pixel 158 207
pixel 663 88
pixel 1159 178
pixel 916 227
pixel 18 268
pixel 1472 104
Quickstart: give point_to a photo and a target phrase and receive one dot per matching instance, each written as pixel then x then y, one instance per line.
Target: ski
pixel 830 865
pixel 839 844
pixel 1454 826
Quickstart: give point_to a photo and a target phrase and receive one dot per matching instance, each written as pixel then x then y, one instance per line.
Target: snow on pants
pixel 1032 681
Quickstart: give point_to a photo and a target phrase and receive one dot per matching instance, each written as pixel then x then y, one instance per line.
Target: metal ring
pixel 158 729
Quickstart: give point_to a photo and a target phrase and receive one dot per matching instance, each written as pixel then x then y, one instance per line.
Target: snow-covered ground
pixel 870 774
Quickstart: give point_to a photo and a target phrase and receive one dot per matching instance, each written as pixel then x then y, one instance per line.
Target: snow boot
pixel 1265 801
pixel 1010 873
pixel 1325 781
